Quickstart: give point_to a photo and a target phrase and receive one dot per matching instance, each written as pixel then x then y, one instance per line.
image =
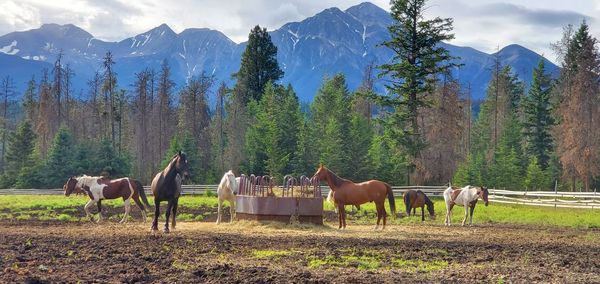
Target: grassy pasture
pixel 57 207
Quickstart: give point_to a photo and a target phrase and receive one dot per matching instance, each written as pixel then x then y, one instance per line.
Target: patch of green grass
pixel 23 217
pixel 65 217
pixel 362 262
pixel 180 265
pixel 419 265
pixel 185 217
pixel 270 253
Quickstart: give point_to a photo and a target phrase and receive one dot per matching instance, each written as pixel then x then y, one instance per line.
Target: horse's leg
pixel 471 217
pixel 168 214
pixel 466 214
pixel 378 207
pixel 156 214
pixel 87 210
pixel 99 210
pixel 449 213
pixel 383 213
pixel 344 217
pixel 219 206
pixel 127 206
pixel 232 209
pixel 174 222
pixel 423 214
pixel 340 212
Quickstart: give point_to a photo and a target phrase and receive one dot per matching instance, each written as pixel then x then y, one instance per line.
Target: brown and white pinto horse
pixel 466 197
pixel 99 188
pixel 346 192
pixel 166 186
pixel 418 199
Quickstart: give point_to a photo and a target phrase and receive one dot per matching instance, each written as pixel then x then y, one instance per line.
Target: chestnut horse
pixel 346 192
pixel 166 186
pixel 466 197
pixel 418 199
pixel 99 188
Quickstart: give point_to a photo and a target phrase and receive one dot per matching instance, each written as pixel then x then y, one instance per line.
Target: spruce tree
pixel 535 178
pixel 19 153
pixel 258 66
pixel 417 59
pixel 538 120
pixel 59 165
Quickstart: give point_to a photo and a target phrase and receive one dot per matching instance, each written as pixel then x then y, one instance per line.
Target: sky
pixel 483 24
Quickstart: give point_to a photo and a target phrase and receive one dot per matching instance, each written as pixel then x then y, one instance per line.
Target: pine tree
pixel 142 112
pixel 165 118
pixel 577 143
pixel 258 66
pixel 59 164
pixel 418 58
pixel 194 118
pixel 361 134
pixel 330 112
pixel 30 102
pixel 43 130
pixel 538 120
pixel 7 92
pixel 19 153
pixel 109 90
pixel 218 133
pixel 535 178
pixel 470 171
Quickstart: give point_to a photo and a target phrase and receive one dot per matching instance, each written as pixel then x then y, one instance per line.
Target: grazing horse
pixel 166 186
pixel 346 192
pixel 332 201
pixel 466 197
pixel 99 188
pixel 415 199
pixel 228 188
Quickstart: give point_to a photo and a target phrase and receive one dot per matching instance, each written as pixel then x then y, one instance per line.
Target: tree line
pixel 420 130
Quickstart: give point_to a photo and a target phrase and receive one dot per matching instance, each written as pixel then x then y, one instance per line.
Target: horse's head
pixel 321 173
pixel 181 165
pixel 431 210
pixel 483 193
pixel 69 187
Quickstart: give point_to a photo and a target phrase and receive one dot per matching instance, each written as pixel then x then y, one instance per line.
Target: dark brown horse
pixel 99 188
pixel 166 186
pixel 418 199
pixel 346 192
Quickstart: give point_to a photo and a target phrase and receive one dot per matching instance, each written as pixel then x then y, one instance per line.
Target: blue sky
pixel 482 24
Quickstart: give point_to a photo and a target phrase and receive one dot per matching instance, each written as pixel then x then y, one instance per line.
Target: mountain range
pixel 329 42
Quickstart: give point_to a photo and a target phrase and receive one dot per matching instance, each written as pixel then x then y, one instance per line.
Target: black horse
pixel 166 186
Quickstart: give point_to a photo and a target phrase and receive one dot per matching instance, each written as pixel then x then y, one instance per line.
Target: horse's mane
pixel 335 179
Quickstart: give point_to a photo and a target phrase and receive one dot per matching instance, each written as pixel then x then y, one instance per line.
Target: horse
pixel 228 188
pixel 166 186
pixel 332 201
pixel 346 192
pixel 466 197
pixel 415 199
pixel 99 188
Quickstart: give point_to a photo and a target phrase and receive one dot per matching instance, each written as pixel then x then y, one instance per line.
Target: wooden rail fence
pixel 586 200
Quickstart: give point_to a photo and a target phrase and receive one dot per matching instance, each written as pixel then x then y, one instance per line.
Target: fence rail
pixel 587 200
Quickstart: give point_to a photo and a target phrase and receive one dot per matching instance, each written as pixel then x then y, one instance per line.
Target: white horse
pixel 335 207
pixel 466 197
pixel 228 188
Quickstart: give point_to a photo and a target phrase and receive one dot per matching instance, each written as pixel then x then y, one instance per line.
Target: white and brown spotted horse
pixel 466 197
pixel 99 188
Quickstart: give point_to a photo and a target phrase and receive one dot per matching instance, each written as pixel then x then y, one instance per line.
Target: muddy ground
pixel 243 252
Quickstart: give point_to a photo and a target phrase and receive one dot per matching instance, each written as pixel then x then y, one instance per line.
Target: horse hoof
pixel 166 230
pixel 154 228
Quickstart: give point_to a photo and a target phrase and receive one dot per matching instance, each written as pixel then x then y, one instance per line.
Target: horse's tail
pixel 142 193
pixel 390 195
pixel 407 203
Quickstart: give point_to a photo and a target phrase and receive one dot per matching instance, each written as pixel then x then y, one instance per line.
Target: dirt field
pixel 201 252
